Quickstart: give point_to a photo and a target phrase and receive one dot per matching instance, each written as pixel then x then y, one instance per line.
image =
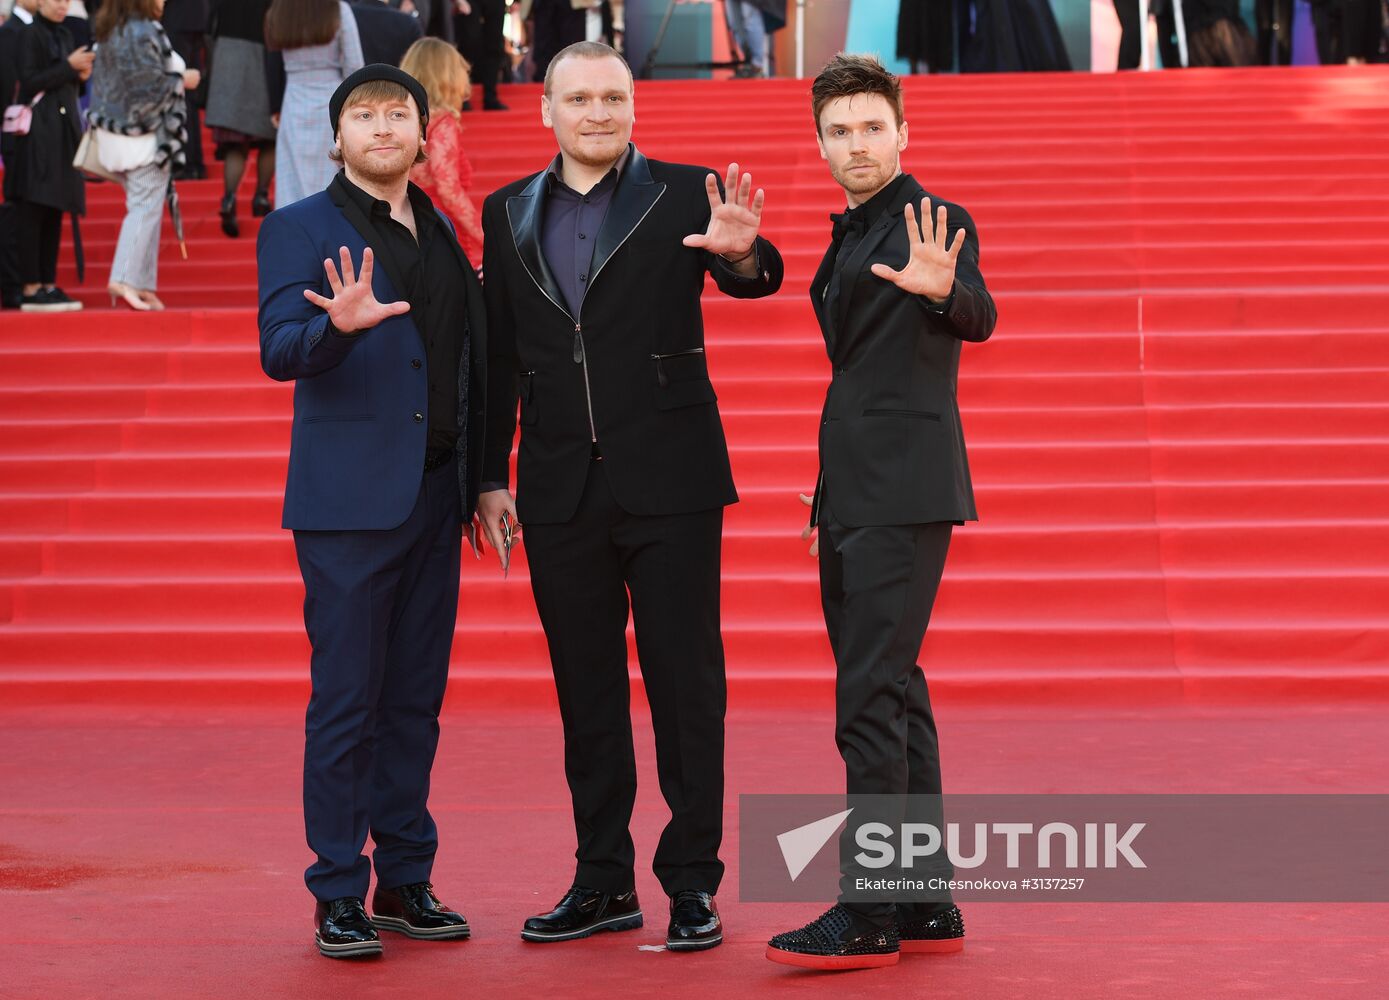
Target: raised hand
pixel 353 306
pixel 930 269
pixel 733 222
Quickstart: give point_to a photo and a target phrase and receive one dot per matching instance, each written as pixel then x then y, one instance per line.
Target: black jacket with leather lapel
pixel 629 369
pixel 891 446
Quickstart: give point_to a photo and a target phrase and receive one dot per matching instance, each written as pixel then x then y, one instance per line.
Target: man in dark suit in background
pixel 595 267
pixel 895 296
pixel 478 29
pixel 388 360
pixel 386 34
pixel 11 283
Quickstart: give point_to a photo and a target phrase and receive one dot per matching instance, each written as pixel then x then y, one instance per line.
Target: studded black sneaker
pixel 940 933
pixel 838 940
pixel 342 929
pixel 414 910
pixel 583 912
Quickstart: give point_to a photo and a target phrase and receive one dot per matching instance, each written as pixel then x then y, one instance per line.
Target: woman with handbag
pixel 138 110
pixel 46 184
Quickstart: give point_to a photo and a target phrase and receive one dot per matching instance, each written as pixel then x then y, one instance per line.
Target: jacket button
pixel 419 418
pixel 414 362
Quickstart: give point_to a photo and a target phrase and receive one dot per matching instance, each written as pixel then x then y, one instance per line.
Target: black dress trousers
pixel 877 586
pixel 583 573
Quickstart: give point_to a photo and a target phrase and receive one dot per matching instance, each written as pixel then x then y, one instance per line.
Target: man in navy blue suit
pixel 388 355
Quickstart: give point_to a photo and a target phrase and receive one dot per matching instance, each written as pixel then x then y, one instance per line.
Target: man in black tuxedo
pixel 895 297
pixel 594 269
pixel 386 34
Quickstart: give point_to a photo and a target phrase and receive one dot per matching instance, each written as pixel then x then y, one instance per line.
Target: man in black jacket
pixel 895 296
pixel 594 269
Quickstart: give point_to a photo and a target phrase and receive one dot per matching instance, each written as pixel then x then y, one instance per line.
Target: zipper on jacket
pixel 661 379
pixel 581 358
pixel 580 355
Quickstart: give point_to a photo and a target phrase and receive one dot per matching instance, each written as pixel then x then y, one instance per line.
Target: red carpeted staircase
pixel 1179 433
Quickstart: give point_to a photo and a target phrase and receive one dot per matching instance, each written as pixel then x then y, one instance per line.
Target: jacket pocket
pixel 669 369
pixel 529 414
pixel 914 414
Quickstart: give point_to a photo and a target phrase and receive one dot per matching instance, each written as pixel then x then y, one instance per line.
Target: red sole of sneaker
pixel 831 963
pixel 934 947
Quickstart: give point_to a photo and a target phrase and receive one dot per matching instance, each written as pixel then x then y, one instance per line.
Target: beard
pixel 591 154
pixel 865 181
pixel 380 168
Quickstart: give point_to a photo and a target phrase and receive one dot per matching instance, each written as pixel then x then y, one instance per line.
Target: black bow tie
pixel 851 221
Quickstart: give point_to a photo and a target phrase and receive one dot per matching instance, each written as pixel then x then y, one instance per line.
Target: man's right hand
pixel 808 533
pixel 490 508
pixel 353 306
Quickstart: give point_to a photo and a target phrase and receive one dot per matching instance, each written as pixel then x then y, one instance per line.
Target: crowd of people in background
pixel 142 78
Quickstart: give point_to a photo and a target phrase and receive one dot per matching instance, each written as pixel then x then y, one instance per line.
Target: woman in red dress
pixel 446 176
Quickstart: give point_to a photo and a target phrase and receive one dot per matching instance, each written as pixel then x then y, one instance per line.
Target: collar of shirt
pixel 862 217
pixel 378 208
pixel 554 174
pixel 23 15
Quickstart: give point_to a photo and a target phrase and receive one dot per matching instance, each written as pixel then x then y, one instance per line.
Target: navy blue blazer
pixel 356 452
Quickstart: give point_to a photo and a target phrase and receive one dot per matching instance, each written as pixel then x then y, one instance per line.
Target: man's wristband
pixel 747 256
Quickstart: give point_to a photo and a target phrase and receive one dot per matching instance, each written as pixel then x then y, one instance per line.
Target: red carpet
pixel 1178 431
pixel 151 853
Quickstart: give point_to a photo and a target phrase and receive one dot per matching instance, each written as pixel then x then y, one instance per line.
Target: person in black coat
pixel 186 21
pixel 45 183
pixel 386 34
pixel 10 282
pixel 594 272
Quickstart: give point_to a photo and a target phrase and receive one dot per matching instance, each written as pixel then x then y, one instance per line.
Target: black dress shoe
pixel 416 912
pixel 343 929
pixel 582 912
pixel 940 932
pixel 260 205
pixel 837 940
pixel 694 921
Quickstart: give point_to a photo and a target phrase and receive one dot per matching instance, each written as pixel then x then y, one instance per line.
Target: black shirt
pixel 433 279
pixel 569 227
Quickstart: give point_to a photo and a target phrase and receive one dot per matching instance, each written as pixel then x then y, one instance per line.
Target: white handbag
pixel 88 160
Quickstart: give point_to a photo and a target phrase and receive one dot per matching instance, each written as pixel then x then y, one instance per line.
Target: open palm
pixel 930 270
pixel 353 306
pixel 733 221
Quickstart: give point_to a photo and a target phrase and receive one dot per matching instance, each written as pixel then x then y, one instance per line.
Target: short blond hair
pixel 441 71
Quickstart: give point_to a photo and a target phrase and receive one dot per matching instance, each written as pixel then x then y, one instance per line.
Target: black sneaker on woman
pixel 49 300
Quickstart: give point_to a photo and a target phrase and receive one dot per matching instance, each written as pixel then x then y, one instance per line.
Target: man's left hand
pixel 733 221
pixel 930 269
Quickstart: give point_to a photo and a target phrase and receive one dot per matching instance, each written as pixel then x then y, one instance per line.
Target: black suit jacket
pixel 635 352
pixel 386 34
pixel 891 447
